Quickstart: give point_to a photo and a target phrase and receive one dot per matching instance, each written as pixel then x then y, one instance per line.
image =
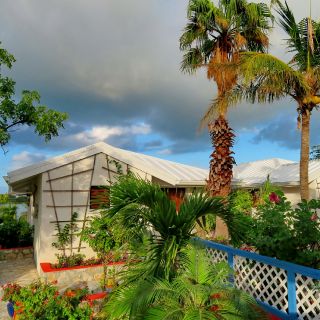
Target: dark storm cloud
pixel 113 64
pixel 284 131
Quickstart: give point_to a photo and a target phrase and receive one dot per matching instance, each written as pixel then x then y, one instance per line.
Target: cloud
pixel 165 151
pixel 25 158
pixel 283 131
pixel 104 133
pixel 112 64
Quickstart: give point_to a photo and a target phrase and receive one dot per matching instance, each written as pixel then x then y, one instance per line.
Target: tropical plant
pixel 265 78
pixel 46 122
pixel 215 35
pixel 200 290
pixel 143 207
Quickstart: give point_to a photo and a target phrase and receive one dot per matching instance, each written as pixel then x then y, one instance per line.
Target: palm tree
pixel 214 36
pixel 265 78
pixel 142 206
pixel 200 290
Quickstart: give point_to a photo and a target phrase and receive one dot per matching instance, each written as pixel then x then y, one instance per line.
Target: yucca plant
pixel 200 290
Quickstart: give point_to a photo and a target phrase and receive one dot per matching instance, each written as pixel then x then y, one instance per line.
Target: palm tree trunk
pixel 221 164
pixel 304 154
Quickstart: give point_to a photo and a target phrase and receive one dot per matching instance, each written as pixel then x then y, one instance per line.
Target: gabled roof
pixel 171 172
pixel 255 173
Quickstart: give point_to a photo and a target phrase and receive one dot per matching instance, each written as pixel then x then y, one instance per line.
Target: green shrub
pixel 14 233
pixel 241 201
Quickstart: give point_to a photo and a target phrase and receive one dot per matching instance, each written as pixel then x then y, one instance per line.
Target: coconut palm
pixel 142 206
pixel 265 78
pixel 200 290
pixel 215 35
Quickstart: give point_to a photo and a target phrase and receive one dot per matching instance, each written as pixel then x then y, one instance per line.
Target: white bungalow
pixel 66 184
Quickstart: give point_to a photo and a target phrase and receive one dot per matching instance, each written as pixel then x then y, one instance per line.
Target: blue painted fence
pixel 287 290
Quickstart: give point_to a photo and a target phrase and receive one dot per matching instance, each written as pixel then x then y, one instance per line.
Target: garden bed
pixel 91 275
pixel 16 253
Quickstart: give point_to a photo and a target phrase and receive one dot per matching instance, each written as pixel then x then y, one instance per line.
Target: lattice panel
pixel 262 281
pixel 308 297
pixel 217 255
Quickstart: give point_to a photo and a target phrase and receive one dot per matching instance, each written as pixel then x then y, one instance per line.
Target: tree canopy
pixel 27 111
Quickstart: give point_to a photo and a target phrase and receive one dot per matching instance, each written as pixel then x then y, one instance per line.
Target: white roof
pixel 280 172
pixel 168 171
pixel 256 173
pixel 289 173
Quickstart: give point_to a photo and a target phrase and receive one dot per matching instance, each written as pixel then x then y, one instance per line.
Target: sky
pixel 114 67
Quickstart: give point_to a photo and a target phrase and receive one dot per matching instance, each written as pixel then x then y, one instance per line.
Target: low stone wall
pixel 77 276
pixel 16 253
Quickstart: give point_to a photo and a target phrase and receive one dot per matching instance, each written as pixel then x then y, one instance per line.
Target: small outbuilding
pixel 69 183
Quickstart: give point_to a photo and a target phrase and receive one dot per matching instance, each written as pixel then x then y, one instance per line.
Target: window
pixel 99 197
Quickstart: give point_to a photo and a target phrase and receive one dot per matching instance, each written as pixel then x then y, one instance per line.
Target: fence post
pixel 231 265
pixel 292 295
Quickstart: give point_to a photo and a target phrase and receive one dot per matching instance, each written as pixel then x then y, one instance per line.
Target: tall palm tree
pixel 142 206
pixel 265 78
pixel 214 36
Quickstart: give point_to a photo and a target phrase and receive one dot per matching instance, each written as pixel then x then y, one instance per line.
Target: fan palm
pixel 265 78
pixel 214 36
pixel 144 207
pixel 200 290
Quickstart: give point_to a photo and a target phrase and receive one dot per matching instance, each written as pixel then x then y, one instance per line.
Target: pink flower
pixel 314 217
pixel 273 197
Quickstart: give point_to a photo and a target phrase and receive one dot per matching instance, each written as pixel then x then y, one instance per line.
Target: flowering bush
pixel 42 301
pixel 287 233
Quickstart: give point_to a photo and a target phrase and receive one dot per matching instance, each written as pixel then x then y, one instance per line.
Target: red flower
pixel 215 296
pixel 273 197
pixel 70 293
pixel 214 308
pixel 247 248
pixel 314 217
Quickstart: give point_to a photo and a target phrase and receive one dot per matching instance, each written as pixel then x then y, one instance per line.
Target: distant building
pixel 282 173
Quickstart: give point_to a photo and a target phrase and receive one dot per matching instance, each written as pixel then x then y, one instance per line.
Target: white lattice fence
pixel 217 255
pixel 308 297
pixel 262 281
